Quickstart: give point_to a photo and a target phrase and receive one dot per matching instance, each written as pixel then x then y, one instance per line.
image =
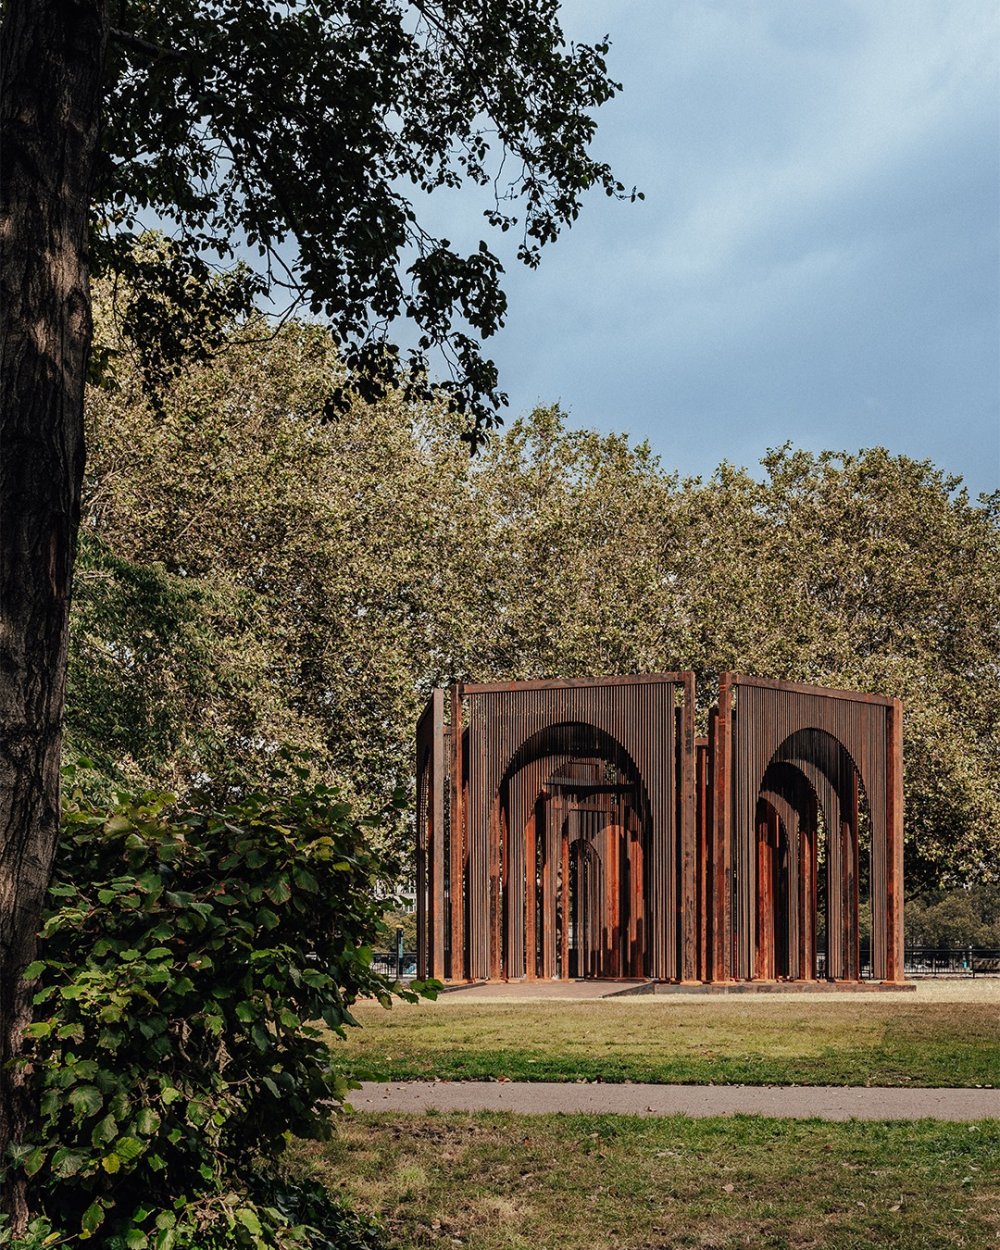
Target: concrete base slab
pixel 789 987
pixel 584 989
pixel 522 991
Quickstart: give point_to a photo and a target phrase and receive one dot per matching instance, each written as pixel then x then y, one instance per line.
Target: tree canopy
pixel 254 576
pixel 305 136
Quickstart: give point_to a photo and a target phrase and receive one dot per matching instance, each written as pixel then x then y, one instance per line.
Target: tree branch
pixel 135 44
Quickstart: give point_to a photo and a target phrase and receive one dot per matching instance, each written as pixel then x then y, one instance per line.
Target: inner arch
pixel 574 819
pixel 808 861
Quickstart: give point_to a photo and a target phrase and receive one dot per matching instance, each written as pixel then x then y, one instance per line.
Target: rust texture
pixel 578 829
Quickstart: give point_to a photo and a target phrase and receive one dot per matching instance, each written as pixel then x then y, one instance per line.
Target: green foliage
pixel 382 101
pixel 405 920
pixel 950 918
pixel 168 677
pixel 291 572
pixel 172 308
pixel 185 964
pixel 335 571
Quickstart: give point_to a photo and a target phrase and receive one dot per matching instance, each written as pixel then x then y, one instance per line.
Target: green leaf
pixel 197 1113
pixel 135 1239
pixel 93 1218
pixel 249 1220
pixel 105 1131
pixel 34 1159
pixel 279 890
pixel 34 970
pixel 306 881
pixel 85 1100
pixel 66 1162
pixel 147 1121
pixel 111 1163
pixel 128 1148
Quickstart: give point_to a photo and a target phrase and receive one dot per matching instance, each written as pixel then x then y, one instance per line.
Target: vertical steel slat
pixel 436 833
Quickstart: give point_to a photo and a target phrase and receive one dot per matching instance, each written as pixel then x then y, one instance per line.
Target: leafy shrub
pixel 183 959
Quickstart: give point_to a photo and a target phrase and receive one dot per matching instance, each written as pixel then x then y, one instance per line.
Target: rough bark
pixel 50 99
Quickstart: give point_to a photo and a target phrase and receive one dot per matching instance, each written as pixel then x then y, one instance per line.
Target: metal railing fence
pixel 954 961
pixel 401 965
pixel 919 961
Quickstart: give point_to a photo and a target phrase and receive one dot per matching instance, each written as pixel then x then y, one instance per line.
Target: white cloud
pixel 817 256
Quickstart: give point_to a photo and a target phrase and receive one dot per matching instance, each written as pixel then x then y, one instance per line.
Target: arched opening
pixel 788 883
pixel 811 873
pixel 574 821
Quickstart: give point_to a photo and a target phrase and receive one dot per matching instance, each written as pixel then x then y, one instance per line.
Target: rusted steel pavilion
pixel 580 829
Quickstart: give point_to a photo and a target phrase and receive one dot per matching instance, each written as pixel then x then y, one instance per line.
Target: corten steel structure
pixel 579 829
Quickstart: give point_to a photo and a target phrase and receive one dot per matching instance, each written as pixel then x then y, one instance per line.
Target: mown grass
pixel 729 1041
pixel 503 1182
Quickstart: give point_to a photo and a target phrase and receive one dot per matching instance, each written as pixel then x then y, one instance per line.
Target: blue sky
pixel 818 254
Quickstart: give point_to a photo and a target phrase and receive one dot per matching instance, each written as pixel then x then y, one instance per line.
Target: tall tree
pixel 51 69
pixel 365 560
pixel 304 133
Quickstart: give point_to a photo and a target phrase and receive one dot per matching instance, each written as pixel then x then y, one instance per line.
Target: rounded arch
pixel 572 739
pixel 786 824
pixel 808 869
pixel 573 816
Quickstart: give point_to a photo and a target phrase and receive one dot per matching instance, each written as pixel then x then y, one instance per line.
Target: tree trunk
pixel 51 65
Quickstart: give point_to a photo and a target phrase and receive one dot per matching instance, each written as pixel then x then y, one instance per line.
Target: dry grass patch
pixel 890 1041
pixel 500 1182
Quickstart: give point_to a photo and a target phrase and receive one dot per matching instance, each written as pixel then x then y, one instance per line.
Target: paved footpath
pixel 825 1102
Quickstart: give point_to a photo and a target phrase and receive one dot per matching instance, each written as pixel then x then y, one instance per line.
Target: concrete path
pixel 824 1102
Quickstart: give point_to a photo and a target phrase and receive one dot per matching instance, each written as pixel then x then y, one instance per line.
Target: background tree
pixel 355 564
pixel 957 917
pixel 303 133
pixel 253 577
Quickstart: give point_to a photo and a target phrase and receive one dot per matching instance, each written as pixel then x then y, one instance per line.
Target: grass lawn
pixel 890 1041
pixel 503 1182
